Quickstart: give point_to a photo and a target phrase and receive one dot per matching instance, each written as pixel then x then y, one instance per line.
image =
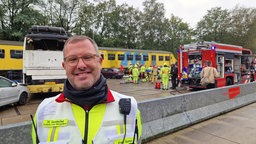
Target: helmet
pixel 165 64
pixel 135 66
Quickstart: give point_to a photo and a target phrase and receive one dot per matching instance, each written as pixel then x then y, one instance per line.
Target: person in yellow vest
pixel 149 73
pixel 154 74
pixel 165 74
pixel 135 74
pixel 87 111
pixel 130 69
pixel 142 72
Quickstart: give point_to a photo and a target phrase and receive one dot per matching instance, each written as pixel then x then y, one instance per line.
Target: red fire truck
pixel 235 64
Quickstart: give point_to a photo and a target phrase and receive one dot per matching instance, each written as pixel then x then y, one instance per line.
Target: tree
pixel 179 33
pixel 2 20
pixel 214 25
pixel 110 25
pixel 152 25
pixel 86 23
pixel 105 12
pixel 242 25
pixel 62 13
pixel 251 35
pixel 128 26
pixel 13 21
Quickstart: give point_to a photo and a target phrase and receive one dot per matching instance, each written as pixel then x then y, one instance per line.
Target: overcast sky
pixel 192 11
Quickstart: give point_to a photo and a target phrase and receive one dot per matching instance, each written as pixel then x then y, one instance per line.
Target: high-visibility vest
pixel 143 69
pixel 61 122
pixel 165 71
pixel 135 72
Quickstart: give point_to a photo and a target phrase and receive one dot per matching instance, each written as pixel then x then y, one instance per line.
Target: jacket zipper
pixel 86 126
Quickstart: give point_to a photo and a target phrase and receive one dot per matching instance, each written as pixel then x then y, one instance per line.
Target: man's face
pixel 82 64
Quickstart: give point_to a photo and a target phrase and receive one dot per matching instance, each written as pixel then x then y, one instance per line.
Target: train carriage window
pixel 137 57
pixel 167 58
pixel 17 54
pixel 129 57
pixel 120 56
pixel 2 53
pixel 145 57
pixel 111 56
pixel 153 57
pixel 160 58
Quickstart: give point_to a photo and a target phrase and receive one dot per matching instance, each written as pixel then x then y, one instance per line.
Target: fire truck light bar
pixel 213 47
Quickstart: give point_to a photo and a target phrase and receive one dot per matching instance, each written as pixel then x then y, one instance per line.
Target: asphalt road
pixel 12 114
pixel 236 127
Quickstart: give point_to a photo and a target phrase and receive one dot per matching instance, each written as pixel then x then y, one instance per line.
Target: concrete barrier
pixel 16 134
pixel 166 115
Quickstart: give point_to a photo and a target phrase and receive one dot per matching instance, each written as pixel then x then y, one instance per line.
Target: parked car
pixel 112 73
pixel 13 92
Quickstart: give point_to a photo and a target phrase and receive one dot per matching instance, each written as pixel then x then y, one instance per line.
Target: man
pixel 149 72
pixel 87 111
pixel 174 75
pixel 135 74
pixel 210 73
pixel 142 71
pixel 121 68
pixel 130 69
pixel 154 74
pixel 165 72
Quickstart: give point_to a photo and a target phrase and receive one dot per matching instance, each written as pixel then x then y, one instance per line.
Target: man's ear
pixel 63 65
pixel 100 60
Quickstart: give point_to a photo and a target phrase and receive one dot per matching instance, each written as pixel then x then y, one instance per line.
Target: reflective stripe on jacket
pixel 165 71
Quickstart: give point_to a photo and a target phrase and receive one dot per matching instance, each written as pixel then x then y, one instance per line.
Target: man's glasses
pixel 73 60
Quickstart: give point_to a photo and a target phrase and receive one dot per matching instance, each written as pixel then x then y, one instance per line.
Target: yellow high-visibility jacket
pixel 59 121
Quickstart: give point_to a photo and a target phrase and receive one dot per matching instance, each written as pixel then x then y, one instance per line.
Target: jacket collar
pixel 61 98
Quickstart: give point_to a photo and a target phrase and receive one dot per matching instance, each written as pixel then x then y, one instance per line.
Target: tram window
pixel 137 57
pixel 167 58
pixel 102 56
pixel 145 57
pixel 153 57
pixel 120 56
pixel 129 57
pixel 160 58
pixel 1 53
pixel 17 54
pixel 111 56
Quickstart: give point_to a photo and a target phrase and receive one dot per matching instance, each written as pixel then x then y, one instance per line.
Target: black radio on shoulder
pixel 125 106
